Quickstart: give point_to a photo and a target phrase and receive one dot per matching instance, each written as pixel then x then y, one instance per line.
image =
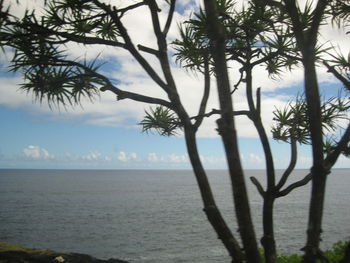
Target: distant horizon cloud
pixel 122 118
pixel 106 111
pixel 36 152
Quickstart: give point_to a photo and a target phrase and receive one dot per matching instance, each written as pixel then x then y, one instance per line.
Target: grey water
pixel 150 216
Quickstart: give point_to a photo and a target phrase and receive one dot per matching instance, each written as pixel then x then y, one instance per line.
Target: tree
pixel 269 33
pixel 305 25
pixel 254 37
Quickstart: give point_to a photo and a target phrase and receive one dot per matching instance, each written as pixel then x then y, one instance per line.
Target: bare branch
pixel 258 186
pixel 241 71
pixel 148 50
pixel 316 21
pixel 258 100
pixel 170 17
pixel 122 11
pixel 341 145
pixel 291 166
pixel 332 70
pixel 266 58
pixel 130 46
pixel 292 10
pixel 204 101
pixel 122 94
pixel 206 115
pixel 295 185
pixel 155 18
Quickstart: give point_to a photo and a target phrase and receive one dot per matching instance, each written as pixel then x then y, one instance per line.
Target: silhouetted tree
pixel 277 34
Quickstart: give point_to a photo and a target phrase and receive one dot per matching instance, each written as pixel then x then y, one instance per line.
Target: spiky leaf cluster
pixel 37 47
pixel 292 122
pixel 81 18
pixel 162 120
pixel 340 12
pixel 253 34
pixel 192 49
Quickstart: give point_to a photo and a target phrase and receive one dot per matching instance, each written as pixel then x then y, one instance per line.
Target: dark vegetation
pixel 278 35
pixel 10 253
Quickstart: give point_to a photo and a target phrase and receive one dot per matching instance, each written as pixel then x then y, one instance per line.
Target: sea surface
pixel 150 216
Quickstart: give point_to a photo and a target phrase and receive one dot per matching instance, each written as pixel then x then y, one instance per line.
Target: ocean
pixel 150 216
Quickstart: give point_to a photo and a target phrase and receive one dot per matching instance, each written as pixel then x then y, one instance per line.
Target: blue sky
pixel 105 134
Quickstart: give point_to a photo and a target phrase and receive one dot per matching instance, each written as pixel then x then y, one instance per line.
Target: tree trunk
pixel 268 240
pixel 318 171
pixel 227 131
pixel 211 210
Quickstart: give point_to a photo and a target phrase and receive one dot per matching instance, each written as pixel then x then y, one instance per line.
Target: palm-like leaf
pixel 162 120
pixel 292 121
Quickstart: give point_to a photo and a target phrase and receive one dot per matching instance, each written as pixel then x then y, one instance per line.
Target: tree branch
pixel 292 10
pixel 205 98
pixel 316 21
pixel 241 71
pixel 38 29
pixel 331 69
pixel 291 166
pixel 266 58
pixel 341 145
pixel 155 19
pixel 130 46
pixel 122 94
pixel 170 17
pixel 297 184
pixel 122 11
pixel 148 50
pixel 258 186
pixel 258 100
pixel 206 115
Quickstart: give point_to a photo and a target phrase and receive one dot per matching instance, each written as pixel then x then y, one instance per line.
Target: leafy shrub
pixel 334 255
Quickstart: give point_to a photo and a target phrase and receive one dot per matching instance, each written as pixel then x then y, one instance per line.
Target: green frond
pixel 293 122
pixel 162 120
pixel 340 12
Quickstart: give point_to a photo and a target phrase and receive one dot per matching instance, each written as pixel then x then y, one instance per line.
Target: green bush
pixel 334 255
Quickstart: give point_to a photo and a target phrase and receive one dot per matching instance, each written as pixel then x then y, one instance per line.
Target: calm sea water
pixel 148 216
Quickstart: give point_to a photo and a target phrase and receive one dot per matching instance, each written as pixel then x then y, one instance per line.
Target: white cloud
pixel 92 156
pixel 152 157
pixel 217 161
pixel 126 157
pixel 127 113
pixel 174 158
pixel 36 152
pixel 167 159
pixel 255 159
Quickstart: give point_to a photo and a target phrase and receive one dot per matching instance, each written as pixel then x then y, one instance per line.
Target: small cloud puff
pixel 125 157
pixel 36 152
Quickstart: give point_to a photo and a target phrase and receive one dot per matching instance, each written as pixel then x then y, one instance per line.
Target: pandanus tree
pixel 52 75
pixel 305 25
pixel 276 34
pixel 256 37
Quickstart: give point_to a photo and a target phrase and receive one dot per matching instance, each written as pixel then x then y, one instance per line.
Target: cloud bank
pixel 106 111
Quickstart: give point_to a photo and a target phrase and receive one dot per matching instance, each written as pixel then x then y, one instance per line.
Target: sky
pixel 104 134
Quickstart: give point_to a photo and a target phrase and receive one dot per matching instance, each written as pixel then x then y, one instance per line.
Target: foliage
pixel 49 73
pixel 292 122
pixel 334 255
pixel 278 35
pixel 161 120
